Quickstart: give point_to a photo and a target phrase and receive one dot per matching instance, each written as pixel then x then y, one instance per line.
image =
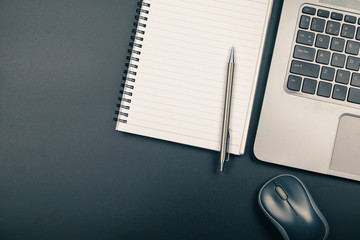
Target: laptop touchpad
pixel 346 155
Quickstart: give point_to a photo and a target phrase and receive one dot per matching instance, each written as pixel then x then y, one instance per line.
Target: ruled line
pixel 195 130
pixel 211 12
pixel 217 21
pixel 180 134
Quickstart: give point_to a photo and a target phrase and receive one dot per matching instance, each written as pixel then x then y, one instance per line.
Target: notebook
pixel 174 88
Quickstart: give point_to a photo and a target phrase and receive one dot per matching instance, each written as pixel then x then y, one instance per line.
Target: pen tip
pixel 232 55
pixel 221 166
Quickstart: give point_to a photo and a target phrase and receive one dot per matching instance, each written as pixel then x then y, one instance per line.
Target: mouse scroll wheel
pixel 280 191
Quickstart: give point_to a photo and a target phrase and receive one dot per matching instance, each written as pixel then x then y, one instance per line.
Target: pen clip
pixel 228 146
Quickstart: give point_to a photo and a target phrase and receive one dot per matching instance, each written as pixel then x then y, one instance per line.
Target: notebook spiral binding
pixel 127 83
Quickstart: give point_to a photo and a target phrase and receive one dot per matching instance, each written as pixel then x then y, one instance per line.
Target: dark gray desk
pixel 65 173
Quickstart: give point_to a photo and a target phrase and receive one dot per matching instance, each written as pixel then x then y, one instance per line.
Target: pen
pixel 226 119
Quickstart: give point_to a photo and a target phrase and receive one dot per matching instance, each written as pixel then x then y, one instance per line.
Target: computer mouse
pixel 288 204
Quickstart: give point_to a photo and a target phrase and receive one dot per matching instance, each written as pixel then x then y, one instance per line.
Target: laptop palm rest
pixel 346 154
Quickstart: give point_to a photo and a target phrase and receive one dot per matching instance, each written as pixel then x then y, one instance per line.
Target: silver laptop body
pixel 302 124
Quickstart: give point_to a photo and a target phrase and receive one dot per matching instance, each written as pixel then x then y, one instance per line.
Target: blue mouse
pixel 290 207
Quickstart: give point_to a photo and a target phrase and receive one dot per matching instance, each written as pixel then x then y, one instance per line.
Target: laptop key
pixel 323 57
pixel 304 53
pixel 336 16
pixel 355 79
pixel 353 63
pixel 358 32
pixel 352 47
pixel 342 76
pixel 306 38
pixel 323 13
pixel 338 60
pixel 348 31
pixel 333 28
pixel 304 22
pixel 327 73
pixel 350 19
pixel 322 41
pixel 317 24
pixel 354 95
pixel 339 92
pixel 294 83
pixel 309 10
pixel 337 44
pixel 309 86
pixel 324 89
pixel 305 69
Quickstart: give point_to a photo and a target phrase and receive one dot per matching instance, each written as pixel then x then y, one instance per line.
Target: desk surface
pixel 65 173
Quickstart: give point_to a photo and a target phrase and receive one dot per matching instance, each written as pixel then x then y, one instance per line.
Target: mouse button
pixel 296 194
pixel 274 206
pixel 299 199
pixel 307 216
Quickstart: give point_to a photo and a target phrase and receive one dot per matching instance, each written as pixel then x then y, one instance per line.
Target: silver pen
pixel 224 148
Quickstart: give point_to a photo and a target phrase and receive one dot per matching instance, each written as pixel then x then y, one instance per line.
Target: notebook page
pixel 180 81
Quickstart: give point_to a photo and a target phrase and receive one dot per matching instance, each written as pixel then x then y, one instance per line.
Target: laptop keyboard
pixel 325 58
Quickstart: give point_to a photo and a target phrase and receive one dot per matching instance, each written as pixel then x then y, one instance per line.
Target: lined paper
pixel 179 88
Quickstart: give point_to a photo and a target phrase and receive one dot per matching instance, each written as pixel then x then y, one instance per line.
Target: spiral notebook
pixel 174 88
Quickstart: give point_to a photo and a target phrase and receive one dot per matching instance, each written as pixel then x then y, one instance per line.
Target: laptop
pixel 310 117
